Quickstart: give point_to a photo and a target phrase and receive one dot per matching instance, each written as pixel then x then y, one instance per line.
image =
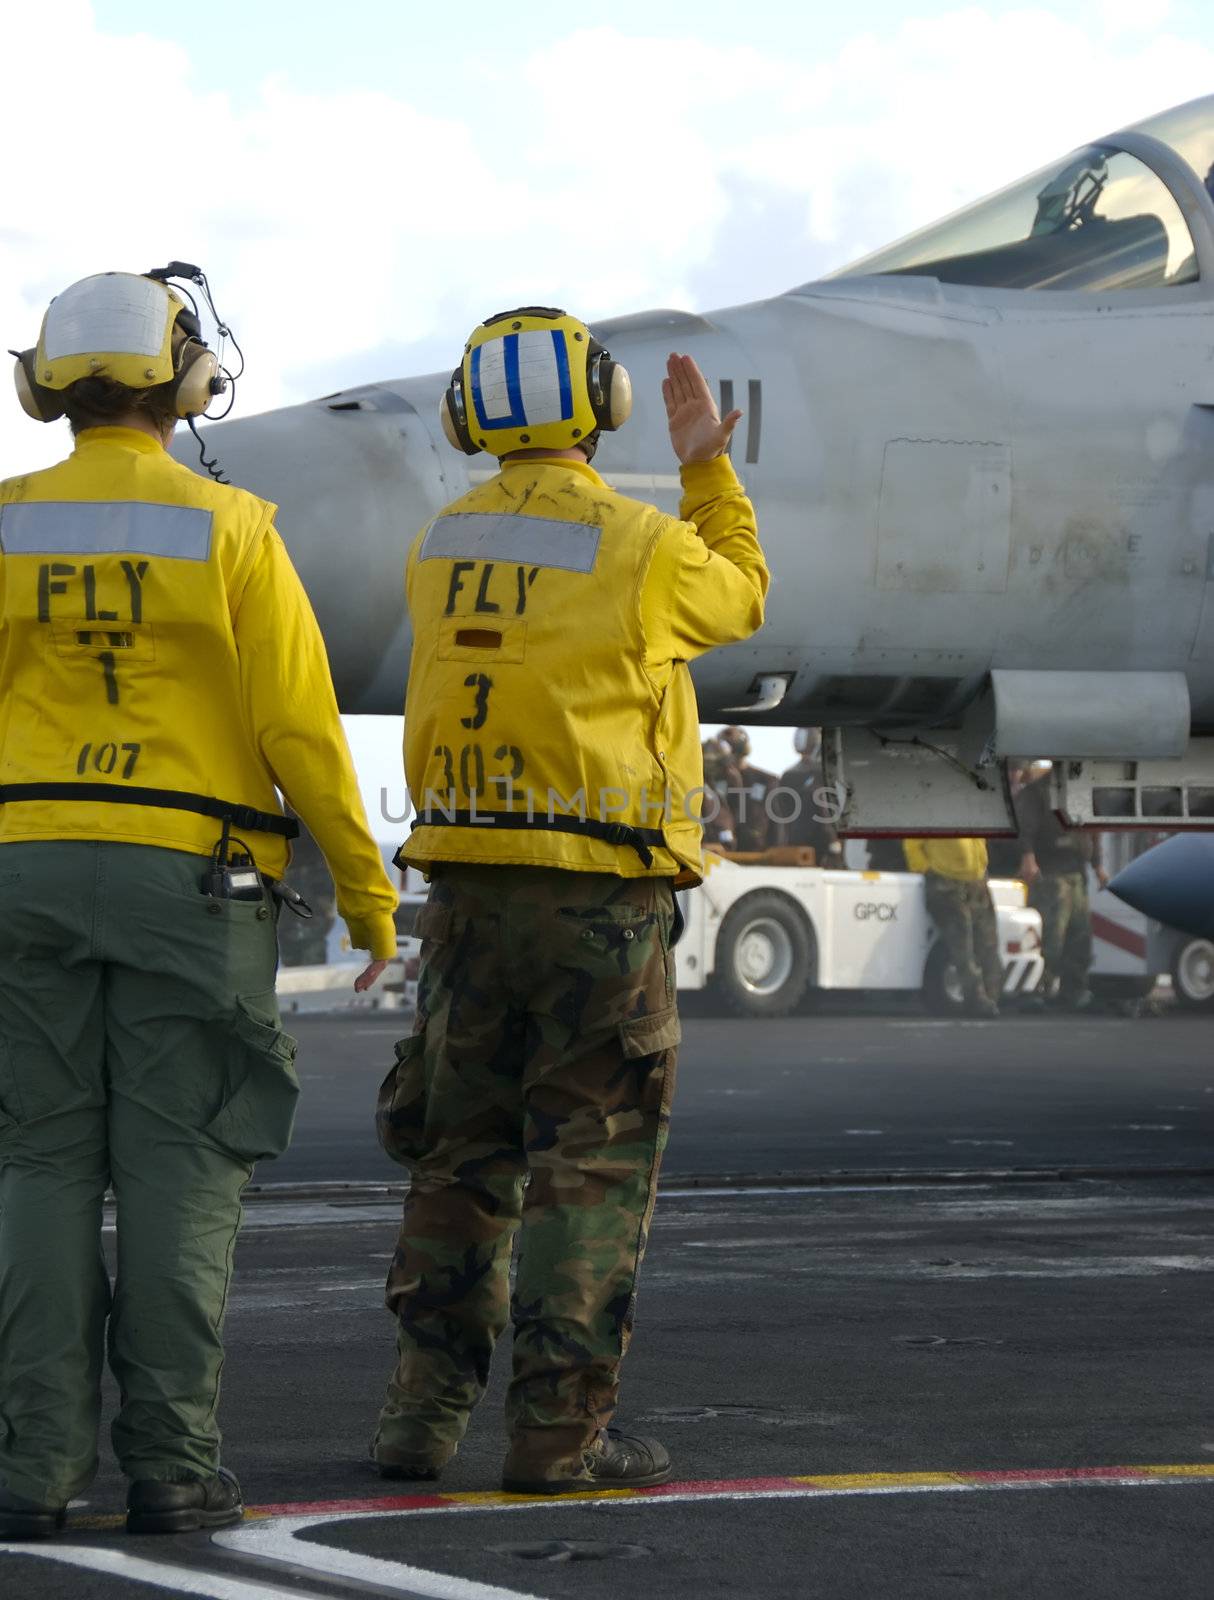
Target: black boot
pixel 27 1519
pixel 615 1461
pixel 155 1507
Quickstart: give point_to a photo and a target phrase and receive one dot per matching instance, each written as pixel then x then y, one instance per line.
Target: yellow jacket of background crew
pixel 154 636
pixel 553 621
pixel 961 859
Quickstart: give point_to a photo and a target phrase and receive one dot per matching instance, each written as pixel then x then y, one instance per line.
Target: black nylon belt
pixel 166 799
pixel 638 839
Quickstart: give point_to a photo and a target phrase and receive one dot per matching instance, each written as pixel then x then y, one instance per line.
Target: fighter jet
pixel 983 463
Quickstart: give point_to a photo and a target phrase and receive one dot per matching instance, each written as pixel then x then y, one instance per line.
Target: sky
pixel 363 183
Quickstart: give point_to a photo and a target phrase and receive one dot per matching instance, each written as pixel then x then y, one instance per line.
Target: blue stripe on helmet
pixel 514 390
pixel 561 351
pixel 475 376
pixel 518 416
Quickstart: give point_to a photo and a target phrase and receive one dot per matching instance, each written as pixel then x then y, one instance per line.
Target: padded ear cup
pixel 619 397
pixel 197 375
pixel 448 424
pixel 610 389
pixel 44 405
pixel 453 415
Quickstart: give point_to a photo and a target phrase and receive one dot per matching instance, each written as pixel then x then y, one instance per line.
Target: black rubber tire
pixel 765 915
pixel 938 976
pixel 1181 980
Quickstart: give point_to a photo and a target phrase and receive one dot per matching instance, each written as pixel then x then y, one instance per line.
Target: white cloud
pixel 614 172
pixel 1135 16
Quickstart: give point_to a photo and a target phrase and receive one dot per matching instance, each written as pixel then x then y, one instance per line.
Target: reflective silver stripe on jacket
pixel 101 527
pixel 530 541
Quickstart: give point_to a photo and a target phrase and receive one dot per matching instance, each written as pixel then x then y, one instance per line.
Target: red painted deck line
pixel 1116 933
pixel 740 1488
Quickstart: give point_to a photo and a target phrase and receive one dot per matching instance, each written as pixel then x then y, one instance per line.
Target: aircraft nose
pixel 1174 883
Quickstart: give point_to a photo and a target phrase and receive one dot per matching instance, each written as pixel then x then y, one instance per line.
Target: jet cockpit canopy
pixel 1099 219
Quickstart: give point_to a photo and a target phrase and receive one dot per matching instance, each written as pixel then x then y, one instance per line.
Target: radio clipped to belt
pixel 233 875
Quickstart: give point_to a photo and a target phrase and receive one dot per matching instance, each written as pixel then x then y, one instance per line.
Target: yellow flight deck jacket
pixel 961 859
pixel 551 719
pixel 160 664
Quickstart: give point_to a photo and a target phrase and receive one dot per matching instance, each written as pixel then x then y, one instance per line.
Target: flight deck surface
pixel 913 1386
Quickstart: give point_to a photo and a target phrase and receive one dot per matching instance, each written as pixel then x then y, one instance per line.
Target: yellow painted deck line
pixel 836 1482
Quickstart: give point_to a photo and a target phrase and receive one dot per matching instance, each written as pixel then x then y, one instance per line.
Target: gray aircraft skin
pixel 987 447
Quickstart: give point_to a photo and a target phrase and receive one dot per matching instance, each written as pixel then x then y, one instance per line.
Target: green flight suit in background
pixel 1064 904
pixel 1060 893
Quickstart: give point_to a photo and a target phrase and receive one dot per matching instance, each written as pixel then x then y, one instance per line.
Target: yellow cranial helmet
pixel 535 378
pixel 133 330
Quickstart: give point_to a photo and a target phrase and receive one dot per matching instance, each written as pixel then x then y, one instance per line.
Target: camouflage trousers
pixel 533 1098
pixel 1066 930
pixel 965 917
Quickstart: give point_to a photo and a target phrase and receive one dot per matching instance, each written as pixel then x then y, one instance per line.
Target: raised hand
pixel 697 432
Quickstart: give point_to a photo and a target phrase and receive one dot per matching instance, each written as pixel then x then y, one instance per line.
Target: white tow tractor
pixel 765 938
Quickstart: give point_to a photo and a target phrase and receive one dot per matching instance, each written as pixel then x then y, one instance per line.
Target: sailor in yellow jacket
pixel 959 903
pixel 161 677
pixel 552 749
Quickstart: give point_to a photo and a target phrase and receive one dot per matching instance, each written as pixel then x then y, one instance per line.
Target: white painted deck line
pixel 276 1540
pixel 159 1574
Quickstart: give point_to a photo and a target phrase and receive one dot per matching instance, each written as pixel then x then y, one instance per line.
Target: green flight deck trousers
pixel 140 1049
pixel 532 1099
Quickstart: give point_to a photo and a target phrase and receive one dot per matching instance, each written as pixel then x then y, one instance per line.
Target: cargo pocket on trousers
pixel 646 1036
pixel 654 1039
pixel 400 1111
pixel 258 1112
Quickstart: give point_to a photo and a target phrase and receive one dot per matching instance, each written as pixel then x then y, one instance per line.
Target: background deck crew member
pixel 160 673
pixel 552 746
pixel 1054 863
pixel 809 823
pixel 756 828
pixel 959 903
pixel 722 783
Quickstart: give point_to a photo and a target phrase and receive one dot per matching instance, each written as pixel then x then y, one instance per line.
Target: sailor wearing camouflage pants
pixel 959 903
pixel 552 748
pixel 545 1046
